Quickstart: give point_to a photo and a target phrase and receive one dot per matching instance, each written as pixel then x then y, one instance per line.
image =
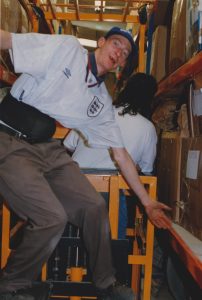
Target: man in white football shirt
pixel 41 184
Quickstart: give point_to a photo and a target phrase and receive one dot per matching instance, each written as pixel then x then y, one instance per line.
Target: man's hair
pixel 137 95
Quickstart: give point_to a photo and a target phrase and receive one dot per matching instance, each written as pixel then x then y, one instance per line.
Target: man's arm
pixel 5 40
pixel 153 209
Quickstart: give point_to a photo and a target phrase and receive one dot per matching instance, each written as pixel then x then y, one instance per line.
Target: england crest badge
pixel 95 107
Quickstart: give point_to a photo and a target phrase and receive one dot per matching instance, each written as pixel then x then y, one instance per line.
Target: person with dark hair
pixel 132 111
pixel 138 94
pixel 61 81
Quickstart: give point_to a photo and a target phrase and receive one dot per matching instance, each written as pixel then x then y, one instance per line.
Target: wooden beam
pixel 188 71
pixel 72 16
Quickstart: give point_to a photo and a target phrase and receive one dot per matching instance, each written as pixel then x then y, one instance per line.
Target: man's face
pixel 113 52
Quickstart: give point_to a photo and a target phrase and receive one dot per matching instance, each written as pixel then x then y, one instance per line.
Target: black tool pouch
pixel 28 120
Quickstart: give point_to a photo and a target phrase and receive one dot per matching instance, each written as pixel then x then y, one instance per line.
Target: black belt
pixel 19 135
pixel 12 132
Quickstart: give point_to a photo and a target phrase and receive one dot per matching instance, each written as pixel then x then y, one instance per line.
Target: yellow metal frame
pixel 146 259
pixel 89 11
pixel 111 184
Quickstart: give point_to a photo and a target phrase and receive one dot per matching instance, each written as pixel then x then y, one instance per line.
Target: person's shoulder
pixel 144 120
pixel 145 123
pixel 54 38
pixel 61 38
pixel 67 38
pixel 72 38
pixel 149 126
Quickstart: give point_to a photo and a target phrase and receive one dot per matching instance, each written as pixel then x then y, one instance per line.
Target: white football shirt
pixel 54 81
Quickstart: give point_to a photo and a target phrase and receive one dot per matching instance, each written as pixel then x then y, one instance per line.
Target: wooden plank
pixel 188 71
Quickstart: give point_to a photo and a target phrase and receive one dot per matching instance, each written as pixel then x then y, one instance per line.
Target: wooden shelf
pixel 189 250
pixel 188 71
pixel 7 76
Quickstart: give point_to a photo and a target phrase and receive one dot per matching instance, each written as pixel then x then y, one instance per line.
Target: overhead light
pixel 98 4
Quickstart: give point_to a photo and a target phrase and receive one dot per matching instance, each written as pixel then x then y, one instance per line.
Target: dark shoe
pixel 117 292
pixel 38 291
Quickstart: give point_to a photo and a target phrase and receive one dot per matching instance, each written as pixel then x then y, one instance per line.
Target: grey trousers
pixel 43 186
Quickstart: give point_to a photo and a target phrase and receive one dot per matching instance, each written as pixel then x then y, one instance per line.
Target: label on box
pixel 197 103
pixel 192 164
pixel 200 30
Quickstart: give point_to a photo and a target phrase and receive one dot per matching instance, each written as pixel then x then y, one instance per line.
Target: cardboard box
pixel 168 172
pixel 190 215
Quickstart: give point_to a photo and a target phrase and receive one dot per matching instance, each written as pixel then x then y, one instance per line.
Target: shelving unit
pixel 187 247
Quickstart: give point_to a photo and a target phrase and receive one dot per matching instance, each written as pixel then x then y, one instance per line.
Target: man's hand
pixel 157 216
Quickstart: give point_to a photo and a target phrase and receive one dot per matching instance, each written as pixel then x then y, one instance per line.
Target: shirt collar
pixel 93 67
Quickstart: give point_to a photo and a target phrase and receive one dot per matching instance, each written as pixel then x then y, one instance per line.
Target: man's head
pixel 126 34
pixel 115 49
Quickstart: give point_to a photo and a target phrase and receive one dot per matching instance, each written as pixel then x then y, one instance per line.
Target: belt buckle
pixel 20 136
